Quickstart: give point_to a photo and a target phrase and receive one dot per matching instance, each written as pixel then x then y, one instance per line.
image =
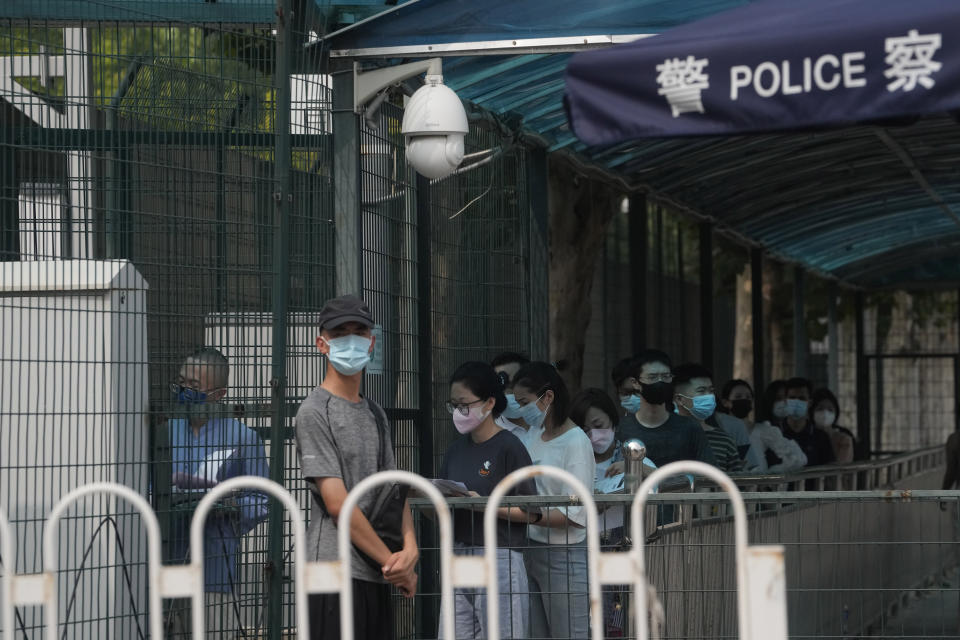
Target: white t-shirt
pixel 515 429
pixel 572 452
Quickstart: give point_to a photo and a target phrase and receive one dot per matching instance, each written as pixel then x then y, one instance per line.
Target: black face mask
pixel 741 407
pixel 656 393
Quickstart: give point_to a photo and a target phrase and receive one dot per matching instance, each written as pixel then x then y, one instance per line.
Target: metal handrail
pixel 932 455
pixel 876 473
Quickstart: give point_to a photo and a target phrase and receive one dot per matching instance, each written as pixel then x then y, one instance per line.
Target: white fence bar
pixel 446 547
pixel 761 594
pixel 772 562
pixel 593 544
pixel 196 546
pixel 6 581
pixel 48 596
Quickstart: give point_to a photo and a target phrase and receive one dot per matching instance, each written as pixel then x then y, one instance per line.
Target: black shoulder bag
pixel 386 512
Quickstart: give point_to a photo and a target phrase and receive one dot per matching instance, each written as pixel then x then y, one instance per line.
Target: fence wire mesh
pixel 158 143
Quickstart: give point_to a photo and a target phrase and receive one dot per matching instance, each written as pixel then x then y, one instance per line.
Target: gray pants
pixel 470 604
pixel 559 600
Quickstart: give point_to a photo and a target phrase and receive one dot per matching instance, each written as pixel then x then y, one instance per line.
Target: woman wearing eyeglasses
pixel 480 459
pixel 557 556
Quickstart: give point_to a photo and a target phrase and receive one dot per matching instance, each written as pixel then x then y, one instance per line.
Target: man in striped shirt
pixel 694 397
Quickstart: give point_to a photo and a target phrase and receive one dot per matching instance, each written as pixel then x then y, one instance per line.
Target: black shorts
pixel 372 613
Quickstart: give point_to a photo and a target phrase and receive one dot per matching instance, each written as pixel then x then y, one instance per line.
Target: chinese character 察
pixel 681 81
pixel 910 60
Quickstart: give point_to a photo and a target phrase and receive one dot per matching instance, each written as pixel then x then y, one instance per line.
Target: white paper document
pixel 610 484
pixel 450 488
pixel 210 466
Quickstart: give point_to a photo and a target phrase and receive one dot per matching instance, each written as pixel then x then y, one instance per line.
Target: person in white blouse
pixel 507 364
pixel 556 558
pixel 777 454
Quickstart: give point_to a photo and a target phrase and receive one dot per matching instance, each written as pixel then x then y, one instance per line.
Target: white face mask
pixel 601 439
pixel 513 409
pixel 797 408
pixel 825 418
pixel 780 409
pixel 349 354
pixel 533 415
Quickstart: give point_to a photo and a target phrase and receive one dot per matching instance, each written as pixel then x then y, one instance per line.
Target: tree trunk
pixel 743 338
pixel 580 210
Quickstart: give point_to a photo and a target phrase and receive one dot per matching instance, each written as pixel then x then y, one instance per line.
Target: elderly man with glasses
pixel 208 446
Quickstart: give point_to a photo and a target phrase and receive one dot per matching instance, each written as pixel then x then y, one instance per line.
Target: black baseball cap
pixel 345 309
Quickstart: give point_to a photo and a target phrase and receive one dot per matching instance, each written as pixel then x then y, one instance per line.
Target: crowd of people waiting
pixel 510 413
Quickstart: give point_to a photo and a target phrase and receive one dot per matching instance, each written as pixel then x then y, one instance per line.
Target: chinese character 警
pixel 681 81
pixel 910 60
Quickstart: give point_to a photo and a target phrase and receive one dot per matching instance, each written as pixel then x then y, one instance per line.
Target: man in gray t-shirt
pixel 339 442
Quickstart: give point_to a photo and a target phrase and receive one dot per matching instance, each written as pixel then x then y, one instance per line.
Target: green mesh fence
pixel 142 197
pixel 157 218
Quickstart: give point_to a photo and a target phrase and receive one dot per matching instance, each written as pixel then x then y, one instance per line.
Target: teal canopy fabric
pixel 421 22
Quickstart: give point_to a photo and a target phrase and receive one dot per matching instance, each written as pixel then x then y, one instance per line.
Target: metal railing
pixel 886 473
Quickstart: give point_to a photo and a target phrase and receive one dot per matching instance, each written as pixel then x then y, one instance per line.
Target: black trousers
pixel 372 613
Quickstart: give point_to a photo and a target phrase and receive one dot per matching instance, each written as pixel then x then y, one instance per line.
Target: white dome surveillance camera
pixel 434 124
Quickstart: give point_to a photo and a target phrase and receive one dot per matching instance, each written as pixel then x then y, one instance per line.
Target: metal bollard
pixel 634 451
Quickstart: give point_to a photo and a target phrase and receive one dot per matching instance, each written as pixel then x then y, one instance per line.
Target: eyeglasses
pixel 464 409
pixel 657 377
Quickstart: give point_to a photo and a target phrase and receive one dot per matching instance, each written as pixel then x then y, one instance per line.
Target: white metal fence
pixel 761 600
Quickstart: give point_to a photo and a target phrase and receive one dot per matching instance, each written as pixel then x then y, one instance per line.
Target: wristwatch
pixel 539 518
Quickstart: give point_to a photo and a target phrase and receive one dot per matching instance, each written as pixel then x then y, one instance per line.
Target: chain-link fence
pixel 167 199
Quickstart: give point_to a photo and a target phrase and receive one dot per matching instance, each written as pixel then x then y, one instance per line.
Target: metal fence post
pixel 863 377
pixel 661 286
pixel 9 217
pixel 833 356
pixel 428 612
pixel 682 286
pixel 800 343
pixel 956 371
pixel 347 188
pixel 283 200
pixel 538 256
pixel 639 248
pixel 706 296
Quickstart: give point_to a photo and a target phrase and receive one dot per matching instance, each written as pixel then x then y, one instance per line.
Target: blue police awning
pixel 778 65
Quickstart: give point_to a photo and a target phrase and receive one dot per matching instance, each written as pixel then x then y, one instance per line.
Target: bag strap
pixel 382 432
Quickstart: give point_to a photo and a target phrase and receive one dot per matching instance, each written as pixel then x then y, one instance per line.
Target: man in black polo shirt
pixel 798 426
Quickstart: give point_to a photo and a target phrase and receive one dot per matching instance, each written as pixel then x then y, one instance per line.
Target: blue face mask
pixel 186 395
pixel 513 409
pixel 194 404
pixel 349 354
pixel 631 402
pixel 703 406
pixel 532 415
pixel 797 408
